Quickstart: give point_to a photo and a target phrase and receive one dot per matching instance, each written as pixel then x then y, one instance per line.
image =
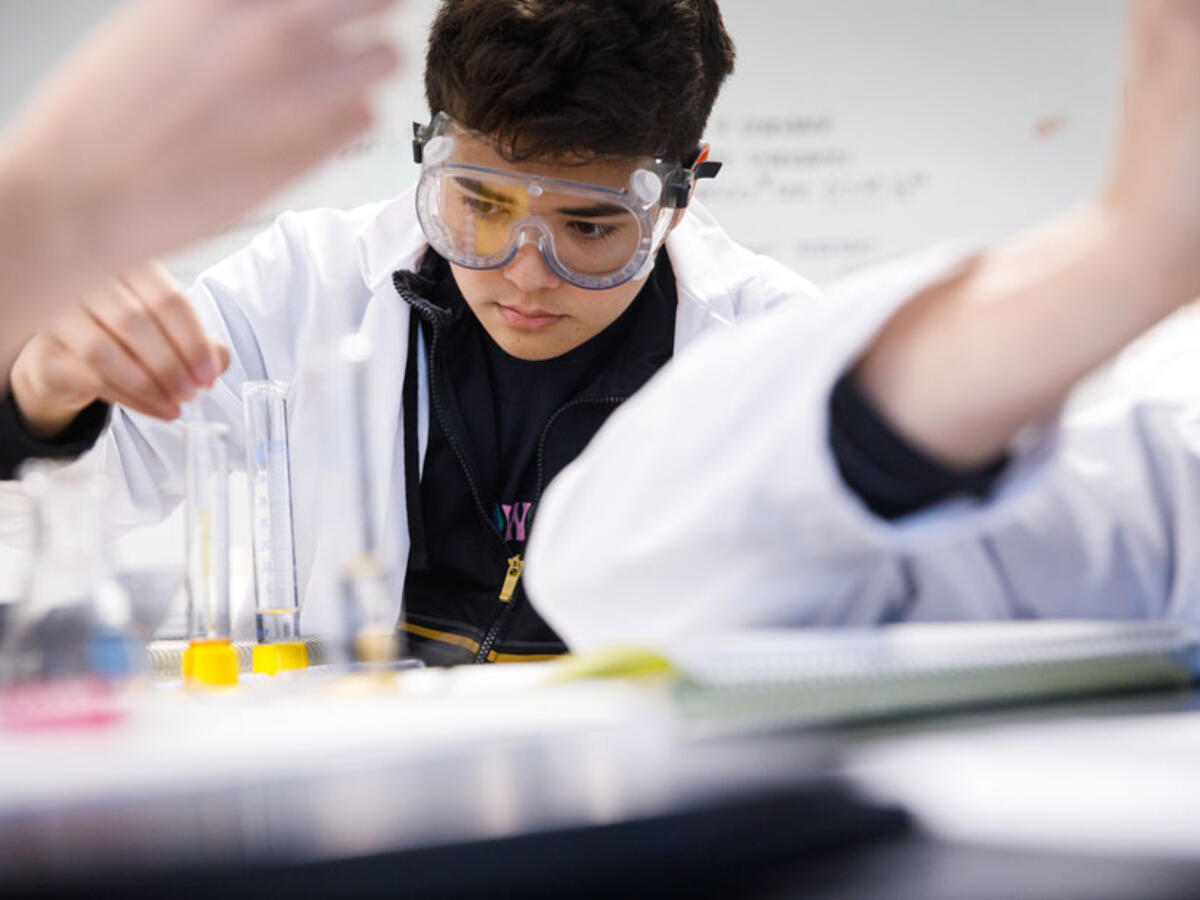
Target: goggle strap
pixel 420 139
pixel 680 187
pixel 695 167
pixel 699 164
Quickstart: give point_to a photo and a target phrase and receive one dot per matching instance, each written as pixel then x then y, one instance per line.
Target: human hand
pixel 136 341
pixel 175 117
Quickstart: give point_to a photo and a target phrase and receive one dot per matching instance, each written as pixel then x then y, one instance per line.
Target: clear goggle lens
pixel 486 219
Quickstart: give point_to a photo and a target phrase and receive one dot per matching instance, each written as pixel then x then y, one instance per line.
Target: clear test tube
pixel 210 657
pixel 268 467
pixel 366 580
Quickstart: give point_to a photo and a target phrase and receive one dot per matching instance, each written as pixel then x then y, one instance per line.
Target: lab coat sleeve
pixel 1111 531
pixel 712 499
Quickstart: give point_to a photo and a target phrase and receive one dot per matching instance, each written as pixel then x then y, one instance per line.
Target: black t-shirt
pixel 512 400
pixel 500 429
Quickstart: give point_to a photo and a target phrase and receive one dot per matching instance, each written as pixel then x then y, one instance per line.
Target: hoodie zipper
pixel 516 565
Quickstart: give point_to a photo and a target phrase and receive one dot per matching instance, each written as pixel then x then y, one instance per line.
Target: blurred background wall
pixel 853 130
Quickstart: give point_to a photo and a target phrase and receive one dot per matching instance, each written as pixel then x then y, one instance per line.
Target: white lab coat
pixel 273 303
pixel 711 500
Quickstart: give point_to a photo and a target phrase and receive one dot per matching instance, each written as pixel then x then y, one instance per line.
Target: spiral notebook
pixel 809 676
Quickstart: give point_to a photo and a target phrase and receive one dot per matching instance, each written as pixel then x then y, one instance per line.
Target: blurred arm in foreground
pixel 1025 322
pixel 170 120
pixel 706 504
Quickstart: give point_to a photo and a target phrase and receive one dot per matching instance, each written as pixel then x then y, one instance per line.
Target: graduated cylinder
pixel 268 469
pixel 210 657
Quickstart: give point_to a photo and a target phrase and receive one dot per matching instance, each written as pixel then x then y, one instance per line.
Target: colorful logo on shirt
pixel 512 519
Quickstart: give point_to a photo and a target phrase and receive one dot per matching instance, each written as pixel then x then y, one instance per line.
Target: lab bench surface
pixel 610 804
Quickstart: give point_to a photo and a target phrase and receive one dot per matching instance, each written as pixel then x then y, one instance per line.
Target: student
pixel 891 460
pixel 170 120
pixel 516 297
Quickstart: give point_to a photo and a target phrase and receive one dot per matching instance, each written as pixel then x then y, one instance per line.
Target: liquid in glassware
pixel 278 625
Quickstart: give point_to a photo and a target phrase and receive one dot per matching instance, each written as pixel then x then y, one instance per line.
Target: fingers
pixel 295 37
pixel 141 342
pixel 223 356
pixel 112 365
pixel 321 16
pixel 122 314
pixel 309 97
pixel 328 108
pixel 353 70
pixel 161 297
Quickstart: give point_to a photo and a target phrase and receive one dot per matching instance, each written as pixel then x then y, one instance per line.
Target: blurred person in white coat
pixel 900 453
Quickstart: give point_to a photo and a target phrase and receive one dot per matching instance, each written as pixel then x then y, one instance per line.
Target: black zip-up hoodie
pixel 464 554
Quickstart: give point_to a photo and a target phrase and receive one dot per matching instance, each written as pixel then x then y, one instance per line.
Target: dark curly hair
pixel 580 79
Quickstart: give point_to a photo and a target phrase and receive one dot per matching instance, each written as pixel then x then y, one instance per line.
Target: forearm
pixel 44 260
pixel 967 364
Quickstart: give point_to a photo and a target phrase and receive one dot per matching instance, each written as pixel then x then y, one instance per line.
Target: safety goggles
pixel 589 235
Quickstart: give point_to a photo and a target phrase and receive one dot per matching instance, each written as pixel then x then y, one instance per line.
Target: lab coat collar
pixel 390 240
pixel 709 267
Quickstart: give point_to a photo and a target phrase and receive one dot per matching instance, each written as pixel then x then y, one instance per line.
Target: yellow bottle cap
pixel 210 662
pixel 269 659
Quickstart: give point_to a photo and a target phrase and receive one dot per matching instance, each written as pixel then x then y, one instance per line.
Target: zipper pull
pixel 516 566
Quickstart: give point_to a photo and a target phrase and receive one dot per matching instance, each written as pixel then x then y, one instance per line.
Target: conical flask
pixel 74 621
